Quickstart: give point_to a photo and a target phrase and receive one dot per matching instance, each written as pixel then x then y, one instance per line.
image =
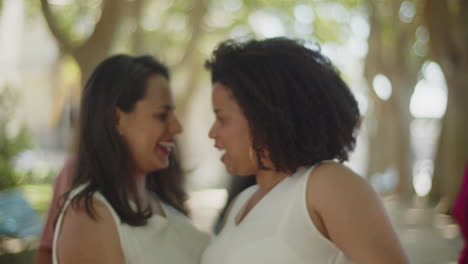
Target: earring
pixel 251 154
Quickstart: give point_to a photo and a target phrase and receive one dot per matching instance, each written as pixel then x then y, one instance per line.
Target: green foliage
pixel 24 257
pixel 76 19
pixel 10 145
pixel 32 9
pixel 38 195
pixel 170 21
pixel 42 173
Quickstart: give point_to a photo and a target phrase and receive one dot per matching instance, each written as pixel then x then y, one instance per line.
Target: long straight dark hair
pixel 103 160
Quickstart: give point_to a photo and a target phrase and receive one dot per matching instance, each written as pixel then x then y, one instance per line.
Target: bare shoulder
pixel 335 191
pixel 352 215
pixel 336 177
pixel 83 239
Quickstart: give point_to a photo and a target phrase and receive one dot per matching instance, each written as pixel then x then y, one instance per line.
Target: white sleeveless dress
pixel 171 239
pixel 278 230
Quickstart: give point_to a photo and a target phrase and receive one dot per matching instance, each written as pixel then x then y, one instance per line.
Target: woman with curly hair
pixel 284 114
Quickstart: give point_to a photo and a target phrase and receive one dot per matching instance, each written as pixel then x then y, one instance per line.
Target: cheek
pixel 239 141
pixel 133 145
pixel 158 131
pixel 151 129
pixel 144 137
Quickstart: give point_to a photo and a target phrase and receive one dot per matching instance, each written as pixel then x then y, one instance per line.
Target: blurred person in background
pixel 460 213
pixel 284 114
pixel 126 201
pixel 61 185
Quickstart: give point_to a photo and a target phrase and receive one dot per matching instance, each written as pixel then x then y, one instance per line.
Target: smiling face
pixel 150 128
pixel 231 133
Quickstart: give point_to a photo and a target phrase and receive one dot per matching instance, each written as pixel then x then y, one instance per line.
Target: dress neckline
pixel 241 215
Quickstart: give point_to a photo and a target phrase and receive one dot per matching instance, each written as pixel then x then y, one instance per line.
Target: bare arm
pixel 353 216
pixel 84 240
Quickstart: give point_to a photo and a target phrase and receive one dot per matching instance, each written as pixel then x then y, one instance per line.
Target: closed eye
pixel 220 119
pixel 161 117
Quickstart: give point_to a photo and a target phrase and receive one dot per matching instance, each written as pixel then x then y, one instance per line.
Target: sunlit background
pixel 385 50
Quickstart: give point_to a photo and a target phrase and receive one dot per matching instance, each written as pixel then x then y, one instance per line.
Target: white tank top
pixel 171 239
pixel 278 230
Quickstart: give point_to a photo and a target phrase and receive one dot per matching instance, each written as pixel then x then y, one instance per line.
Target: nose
pixel 211 133
pixel 176 127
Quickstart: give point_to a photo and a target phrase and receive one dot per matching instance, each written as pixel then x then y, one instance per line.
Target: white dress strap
pixel 58 226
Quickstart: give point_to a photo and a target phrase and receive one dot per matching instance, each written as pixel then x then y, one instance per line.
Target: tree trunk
pixel 381 137
pixel 437 188
pixel 453 152
pixel 92 50
pixel 446 22
pixel 390 54
pixel 403 154
pixel 98 45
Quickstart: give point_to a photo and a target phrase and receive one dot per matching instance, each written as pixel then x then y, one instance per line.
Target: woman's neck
pixel 267 179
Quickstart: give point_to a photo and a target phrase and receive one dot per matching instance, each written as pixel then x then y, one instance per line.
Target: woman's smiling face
pixel 150 128
pixel 231 133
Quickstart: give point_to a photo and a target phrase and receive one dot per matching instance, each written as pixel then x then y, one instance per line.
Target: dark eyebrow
pixel 167 107
pixel 217 110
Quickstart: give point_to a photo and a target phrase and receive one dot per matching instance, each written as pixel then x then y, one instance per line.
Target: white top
pixel 278 229
pixel 171 239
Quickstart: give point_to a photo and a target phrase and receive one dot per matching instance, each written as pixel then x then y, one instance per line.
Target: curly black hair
pixel 298 108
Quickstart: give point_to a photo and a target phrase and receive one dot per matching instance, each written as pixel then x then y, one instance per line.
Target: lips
pixel 166 147
pixel 221 149
pixel 223 156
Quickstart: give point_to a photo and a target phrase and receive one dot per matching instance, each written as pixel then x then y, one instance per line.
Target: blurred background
pixel 405 61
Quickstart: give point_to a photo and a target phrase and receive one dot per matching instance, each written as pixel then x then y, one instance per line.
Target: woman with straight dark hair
pixel 284 115
pixel 126 203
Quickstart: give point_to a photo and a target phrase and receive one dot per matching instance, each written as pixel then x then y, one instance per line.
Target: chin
pixel 231 170
pixel 161 166
pixel 240 171
pixel 245 174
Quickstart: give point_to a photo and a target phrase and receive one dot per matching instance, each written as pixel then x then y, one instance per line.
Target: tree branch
pixel 102 37
pixel 63 42
pixel 98 46
pixel 137 41
pixel 197 15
